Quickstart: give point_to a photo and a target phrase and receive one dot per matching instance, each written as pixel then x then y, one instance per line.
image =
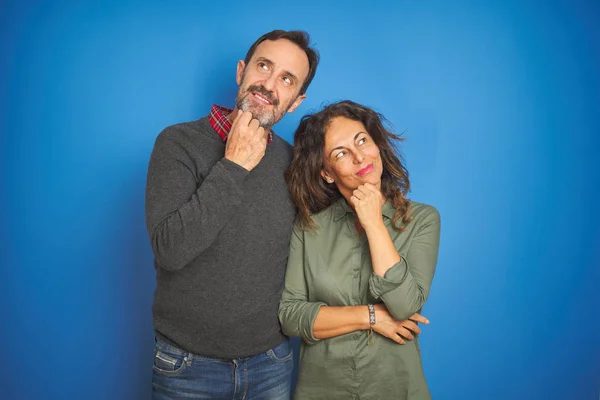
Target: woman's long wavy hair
pixel 312 194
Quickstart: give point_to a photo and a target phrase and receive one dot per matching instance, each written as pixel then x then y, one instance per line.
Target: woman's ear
pixel 326 176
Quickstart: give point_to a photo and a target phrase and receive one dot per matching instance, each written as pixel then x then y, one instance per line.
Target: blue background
pixel 500 105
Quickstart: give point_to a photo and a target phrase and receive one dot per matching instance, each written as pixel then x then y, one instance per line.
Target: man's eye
pixel 263 66
pixel 287 80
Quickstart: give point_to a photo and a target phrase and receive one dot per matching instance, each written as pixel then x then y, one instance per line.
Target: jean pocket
pixel 169 364
pixel 281 353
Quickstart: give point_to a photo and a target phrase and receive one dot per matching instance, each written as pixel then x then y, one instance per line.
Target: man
pixel 219 217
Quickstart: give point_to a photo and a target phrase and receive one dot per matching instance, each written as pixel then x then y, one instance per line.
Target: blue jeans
pixel 179 374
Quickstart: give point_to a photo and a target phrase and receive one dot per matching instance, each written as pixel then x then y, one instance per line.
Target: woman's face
pixel 351 156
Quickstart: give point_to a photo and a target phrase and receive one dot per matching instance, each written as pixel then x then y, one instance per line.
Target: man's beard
pixel 266 118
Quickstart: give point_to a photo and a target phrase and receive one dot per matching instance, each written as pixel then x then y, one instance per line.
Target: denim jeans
pixel 179 374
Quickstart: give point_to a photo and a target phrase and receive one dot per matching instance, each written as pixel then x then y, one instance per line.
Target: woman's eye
pixel 362 141
pixel 340 154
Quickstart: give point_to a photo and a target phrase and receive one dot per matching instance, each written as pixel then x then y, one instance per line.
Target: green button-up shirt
pixel 331 266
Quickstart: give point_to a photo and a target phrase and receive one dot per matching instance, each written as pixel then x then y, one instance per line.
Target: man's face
pixel 270 83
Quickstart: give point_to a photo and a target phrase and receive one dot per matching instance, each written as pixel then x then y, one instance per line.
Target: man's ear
pixel 296 103
pixel 239 74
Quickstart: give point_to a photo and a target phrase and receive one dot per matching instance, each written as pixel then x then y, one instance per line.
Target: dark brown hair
pixel 312 194
pixel 302 40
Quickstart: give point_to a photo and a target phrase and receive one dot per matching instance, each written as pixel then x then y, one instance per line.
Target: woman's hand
pixel 367 201
pixel 398 331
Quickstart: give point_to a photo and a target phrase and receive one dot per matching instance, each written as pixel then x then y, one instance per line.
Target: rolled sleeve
pixel 299 317
pixel 296 314
pixel 393 278
pixel 405 287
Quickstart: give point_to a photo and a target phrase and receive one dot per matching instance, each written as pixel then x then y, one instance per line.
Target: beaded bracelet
pixel 371 338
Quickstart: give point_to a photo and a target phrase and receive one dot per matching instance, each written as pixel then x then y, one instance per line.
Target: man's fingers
pixel 241 119
pixel 254 124
pixel 261 132
pixel 234 123
pixel 238 115
pixel 245 118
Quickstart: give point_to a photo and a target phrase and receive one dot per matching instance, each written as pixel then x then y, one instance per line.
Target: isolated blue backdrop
pixel 500 105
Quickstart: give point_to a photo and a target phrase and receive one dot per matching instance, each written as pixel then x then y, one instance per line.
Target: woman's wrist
pixel 363 315
pixel 375 227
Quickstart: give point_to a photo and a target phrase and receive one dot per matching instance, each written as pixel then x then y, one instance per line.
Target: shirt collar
pixel 218 120
pixel 341 208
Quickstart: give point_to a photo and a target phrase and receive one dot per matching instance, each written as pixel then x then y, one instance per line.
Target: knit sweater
pixel 220 236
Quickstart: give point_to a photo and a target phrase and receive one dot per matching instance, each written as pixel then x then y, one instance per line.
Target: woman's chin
pixel 376 182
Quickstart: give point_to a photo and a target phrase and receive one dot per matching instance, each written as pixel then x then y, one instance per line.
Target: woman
pixel 361 262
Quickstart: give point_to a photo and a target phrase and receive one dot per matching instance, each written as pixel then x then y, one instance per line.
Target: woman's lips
pixel 365 170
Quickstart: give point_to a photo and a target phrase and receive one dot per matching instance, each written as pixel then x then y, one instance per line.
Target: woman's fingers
pixel 419 318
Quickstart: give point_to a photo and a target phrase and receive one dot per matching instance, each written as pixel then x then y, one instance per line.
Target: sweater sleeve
pixel 184 216
pixel 405 287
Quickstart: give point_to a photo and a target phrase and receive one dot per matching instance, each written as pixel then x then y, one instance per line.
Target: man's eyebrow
pixel 264 60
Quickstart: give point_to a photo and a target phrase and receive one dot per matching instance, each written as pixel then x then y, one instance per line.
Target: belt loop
pixel 188 359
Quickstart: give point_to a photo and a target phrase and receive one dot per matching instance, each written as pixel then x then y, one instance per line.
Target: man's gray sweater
pixel 220 237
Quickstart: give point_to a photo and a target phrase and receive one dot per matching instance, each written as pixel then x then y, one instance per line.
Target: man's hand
pixel 246 142
pixel 398 331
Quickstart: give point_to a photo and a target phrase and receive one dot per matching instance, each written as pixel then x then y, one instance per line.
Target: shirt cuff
pixel 393 278
pixel 306 331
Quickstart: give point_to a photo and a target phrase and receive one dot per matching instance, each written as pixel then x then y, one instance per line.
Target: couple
pixel 360 260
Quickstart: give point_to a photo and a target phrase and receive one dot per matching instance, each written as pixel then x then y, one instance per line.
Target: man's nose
pixel 270 82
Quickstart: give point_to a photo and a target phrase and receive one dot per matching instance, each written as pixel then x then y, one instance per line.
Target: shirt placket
pixel 356 267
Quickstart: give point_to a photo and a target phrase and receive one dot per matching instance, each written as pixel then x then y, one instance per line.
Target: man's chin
pixel 265 119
